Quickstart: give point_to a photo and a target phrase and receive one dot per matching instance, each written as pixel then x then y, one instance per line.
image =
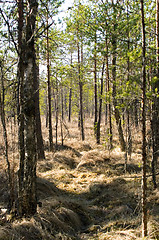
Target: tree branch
pixel 9 31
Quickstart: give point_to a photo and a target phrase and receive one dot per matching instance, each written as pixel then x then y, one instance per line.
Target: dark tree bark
pixel 80 60
pixel 129 147
pixel 70 96
pixel 95 87
pixel 106 104
pixel 62 105
pixel 62 137
pixel 65 101
pixel 100 106
pixel 144 157
pixel 70 104
pixel 155 106
pixel 49 93
pixel 110 132
pixel 27 204
pixel 56 111
pixel 20 103
pixel 136 113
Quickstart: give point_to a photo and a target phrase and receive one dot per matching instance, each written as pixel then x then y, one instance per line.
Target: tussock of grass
pixel 83 192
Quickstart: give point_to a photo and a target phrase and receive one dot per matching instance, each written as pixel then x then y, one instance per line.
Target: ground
pixel 83 191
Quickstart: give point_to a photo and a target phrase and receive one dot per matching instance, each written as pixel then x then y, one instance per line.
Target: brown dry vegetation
pixel 83 191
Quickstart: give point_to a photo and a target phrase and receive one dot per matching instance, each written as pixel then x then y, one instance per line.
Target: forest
pixel 79 119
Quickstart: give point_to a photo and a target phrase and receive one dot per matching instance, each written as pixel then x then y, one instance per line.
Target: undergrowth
pixel 83 192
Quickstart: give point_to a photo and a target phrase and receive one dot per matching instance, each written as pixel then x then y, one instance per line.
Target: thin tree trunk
pixel 144 179
pixel 81 92
pixel 56 111
pixel 109 104
pixel 136 113
pixel 39 137
pixel 62 108
pixel 106 103
pixel 46 113
pixel 155 106
pixel 10 178
pixel 128 130
pixel 70 96
pixel 70 104
pixel 65 101
pixel 116 111
pixel 129 134
pixel 49 93
pixel 95 86
pixel 81 95
pixel 62 138
pixel 100 106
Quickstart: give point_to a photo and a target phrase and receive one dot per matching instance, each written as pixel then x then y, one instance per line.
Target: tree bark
pixel 70 96
pixel 81 91
pixel 70 104
pixel 110 132
pixel 116 111
pixel 128 129
pixel 20 103
pixel 136 113
pixel 95 86
pixel 144 179
pixel 5 136
pixel 56 111
pixel 62 105
pixel 155 106
pixel 39 137
pixel 100 106
pixel 27 204
pixel 49 93
pixel 129 148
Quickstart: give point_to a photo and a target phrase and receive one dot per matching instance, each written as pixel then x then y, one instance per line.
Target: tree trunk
pixel 27 175
pixel 106 103
pixel 81 92
pixel 129 148
pixel 100 106
pixel 62 138
pixel 95 86
pixel 70 96
pixel 128 129
pixel 136 113
pixel 49 93
pixel 5 136
pixel 110 132
pixel 65 101
pixel 39 137
pixel 70 104
pixel 62 108
pixel 20 104
pixel 144 179
pixel 56 111
pixel 116 111
pixel 155 106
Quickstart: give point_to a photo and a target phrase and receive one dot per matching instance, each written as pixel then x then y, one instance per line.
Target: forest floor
pixel 83 191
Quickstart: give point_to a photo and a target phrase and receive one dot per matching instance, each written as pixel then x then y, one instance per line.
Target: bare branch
pixel 9 31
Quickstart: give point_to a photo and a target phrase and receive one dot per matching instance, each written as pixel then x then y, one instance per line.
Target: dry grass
pixel 83 192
